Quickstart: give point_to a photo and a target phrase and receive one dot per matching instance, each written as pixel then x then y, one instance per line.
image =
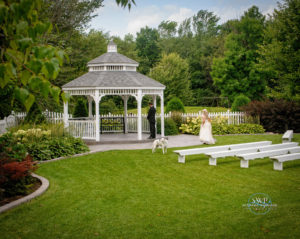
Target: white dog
pixel 160 143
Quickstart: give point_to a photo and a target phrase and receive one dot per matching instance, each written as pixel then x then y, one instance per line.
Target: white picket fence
pixel 7 122
pixel 85 127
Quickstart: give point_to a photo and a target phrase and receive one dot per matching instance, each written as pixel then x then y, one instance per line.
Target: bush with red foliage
pixel 15 168
pixel 275 116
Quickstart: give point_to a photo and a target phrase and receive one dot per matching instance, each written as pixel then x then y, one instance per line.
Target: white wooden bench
pixel 252 156
pixel 287 137
pixel 184 152
pixel 278 160
pixel 215 155
pixel 278 146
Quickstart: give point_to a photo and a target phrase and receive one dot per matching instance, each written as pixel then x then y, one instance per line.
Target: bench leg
pixel 277 165
pixel 213 161
pixel 244 163
pixel 181 159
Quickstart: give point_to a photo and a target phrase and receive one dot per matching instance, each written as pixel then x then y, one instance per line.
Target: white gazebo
pixel 112 74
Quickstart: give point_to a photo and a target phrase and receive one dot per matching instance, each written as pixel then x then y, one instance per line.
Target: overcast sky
pixel 118 21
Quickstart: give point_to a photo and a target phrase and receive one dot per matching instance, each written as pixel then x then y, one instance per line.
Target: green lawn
pixel 188 109
pixel 137 194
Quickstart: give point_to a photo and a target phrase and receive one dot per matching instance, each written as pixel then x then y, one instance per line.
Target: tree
pixel 205 46
pixel 125 3
pixel 235 73
pixel 167 36
pixel 172 71
pixel 184 29
pixel 127 46
pixel 205 24
pixel 27 63
pixel 167 29
pixel 82 48
pixel 69 15
pixel 148 48
pixel 279 60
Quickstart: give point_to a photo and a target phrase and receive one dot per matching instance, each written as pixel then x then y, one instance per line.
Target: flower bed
pixel 15 168
pixel 45 141
pixel 220 127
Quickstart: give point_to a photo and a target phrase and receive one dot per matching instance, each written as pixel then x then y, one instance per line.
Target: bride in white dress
pixel 205 134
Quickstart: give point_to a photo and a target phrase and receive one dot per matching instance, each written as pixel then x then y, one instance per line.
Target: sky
pixel 119 22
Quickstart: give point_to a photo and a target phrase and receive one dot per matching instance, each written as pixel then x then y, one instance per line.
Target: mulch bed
pixel 35 185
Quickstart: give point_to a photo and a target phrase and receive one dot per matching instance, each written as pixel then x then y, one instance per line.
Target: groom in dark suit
pixel 151 119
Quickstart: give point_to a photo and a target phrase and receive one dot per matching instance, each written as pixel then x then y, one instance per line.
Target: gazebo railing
pixel 83 128
pixel 132 124
pixel 112 125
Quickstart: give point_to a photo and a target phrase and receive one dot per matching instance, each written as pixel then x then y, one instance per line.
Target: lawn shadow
pixel 195 160
pixel 293 165
pixel 224 161
pixel 259 163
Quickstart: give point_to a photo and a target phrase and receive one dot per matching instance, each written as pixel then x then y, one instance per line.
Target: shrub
pixel 220 127
pixel 45 144
pixel 80 109
pixel 15 167
pixel 239 101
pixel 192 126
pixel 177 118
pixel 237 129
pixel 275 116
pixel 170 127
pixel 56 147
pixel 175 104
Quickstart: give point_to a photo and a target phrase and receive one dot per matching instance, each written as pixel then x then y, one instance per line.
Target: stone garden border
pixel 36 193
pixel 41 189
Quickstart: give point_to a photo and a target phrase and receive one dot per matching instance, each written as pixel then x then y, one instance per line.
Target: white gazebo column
pixel 97 100
pixel 154 105
pixel 66 114
pixel 154 100
pixel 162 114
pixel 125 99
pixel 90 100
pixel 139 110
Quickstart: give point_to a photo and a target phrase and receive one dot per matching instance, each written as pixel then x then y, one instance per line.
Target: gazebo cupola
pixel 113 74
pixel 112 47
pixel 112 61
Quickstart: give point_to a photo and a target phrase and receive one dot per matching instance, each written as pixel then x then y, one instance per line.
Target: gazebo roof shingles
pixel 112 57
pixel 114 79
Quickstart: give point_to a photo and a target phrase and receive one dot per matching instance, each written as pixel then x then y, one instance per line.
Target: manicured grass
pixel 196 109
pixel 137 194
pixel 188 109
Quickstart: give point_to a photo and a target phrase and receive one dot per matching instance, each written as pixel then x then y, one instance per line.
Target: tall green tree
pixel 148 48
pixel 167 29
pixel 205 46
pixel 168 36
pixel 69 15
pixel 235 73
pixel 81 49
pixel 279 60
pixel 173 71
pixel 127 46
